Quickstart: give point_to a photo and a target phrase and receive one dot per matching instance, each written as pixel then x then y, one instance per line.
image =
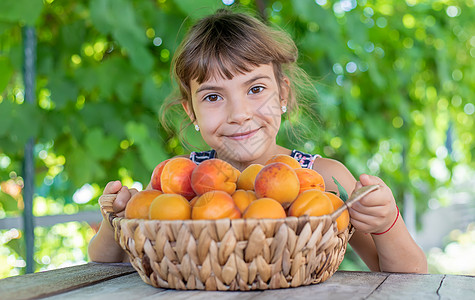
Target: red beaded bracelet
pixel 397 216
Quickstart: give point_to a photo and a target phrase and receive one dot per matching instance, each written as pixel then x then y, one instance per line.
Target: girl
pixel 237 77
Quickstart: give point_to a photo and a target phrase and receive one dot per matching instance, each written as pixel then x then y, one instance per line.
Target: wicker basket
pixel 239 254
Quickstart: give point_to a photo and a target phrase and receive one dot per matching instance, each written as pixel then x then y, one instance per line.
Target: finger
pixel 376 211
pixel 361 226
pixel 133 192
pixel 112 187
pixel 358 185
pixel 366 179
pixel 121 200
pixel 367 221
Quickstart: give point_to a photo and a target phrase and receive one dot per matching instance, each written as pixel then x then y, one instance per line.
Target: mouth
pixel 243 135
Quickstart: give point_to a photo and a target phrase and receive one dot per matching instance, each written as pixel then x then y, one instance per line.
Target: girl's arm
pixel 103 247
pixel 393 251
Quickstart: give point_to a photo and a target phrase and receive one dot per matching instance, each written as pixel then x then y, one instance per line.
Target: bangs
pixel 225 60
pixel 226 44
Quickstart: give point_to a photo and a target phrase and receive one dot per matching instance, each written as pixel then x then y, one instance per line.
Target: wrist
pixel 392 225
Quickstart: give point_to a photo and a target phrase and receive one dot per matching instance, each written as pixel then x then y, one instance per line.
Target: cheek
pixel 208 121
pixel 270 115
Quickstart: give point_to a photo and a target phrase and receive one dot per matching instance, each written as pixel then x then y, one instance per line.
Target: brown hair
pixel 226 43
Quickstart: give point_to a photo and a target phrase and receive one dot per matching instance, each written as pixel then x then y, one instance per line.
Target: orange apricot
pixel 310 179
pixel 344 219
pixel 243 198
pixel 248 176
pixel 214 205
pixel 176 177
pixel 193 201
pixel 311 203
pixel 170 207
pixel 264 208
pixel 214 175
pixel 286 159
pixel 139 204
pixel 277 181
pixel 157 172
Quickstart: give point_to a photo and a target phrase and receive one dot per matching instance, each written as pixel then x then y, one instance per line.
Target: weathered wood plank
pixel 342 285
pixel 131 287
pixel 457 287
pixel 58 281
pixel 120 281
pixel 408 286
pixel 128 286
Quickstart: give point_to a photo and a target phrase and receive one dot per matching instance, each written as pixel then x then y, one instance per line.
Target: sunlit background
pixel 396 90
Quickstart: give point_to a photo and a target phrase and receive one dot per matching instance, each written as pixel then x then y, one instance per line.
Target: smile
pixel 243 135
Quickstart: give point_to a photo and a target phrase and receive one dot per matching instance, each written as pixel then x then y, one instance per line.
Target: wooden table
pixel 120 281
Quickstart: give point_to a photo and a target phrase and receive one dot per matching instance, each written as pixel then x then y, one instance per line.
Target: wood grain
pixel 408 286
pixel 94 281
pixel 58 281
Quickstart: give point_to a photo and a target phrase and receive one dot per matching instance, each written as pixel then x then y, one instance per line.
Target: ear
pixel 187 106
pixel 284 91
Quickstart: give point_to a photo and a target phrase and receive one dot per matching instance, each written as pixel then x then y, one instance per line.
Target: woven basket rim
pixel 105 202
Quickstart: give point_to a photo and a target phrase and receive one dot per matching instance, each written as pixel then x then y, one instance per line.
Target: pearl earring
pixel 284 108
pixel 197 128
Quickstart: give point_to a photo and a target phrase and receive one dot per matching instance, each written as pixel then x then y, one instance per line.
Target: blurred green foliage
pixel 395 79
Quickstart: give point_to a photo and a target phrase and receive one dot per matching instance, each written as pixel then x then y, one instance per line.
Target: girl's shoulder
pixel 331 169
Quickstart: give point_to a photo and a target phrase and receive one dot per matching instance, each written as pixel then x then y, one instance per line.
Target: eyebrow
pixel 218 88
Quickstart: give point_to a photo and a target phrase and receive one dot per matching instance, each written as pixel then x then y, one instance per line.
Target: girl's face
pixel 239 117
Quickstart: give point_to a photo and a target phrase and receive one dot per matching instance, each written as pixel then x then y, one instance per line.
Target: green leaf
pixel 63 90
pixel 118 17
pixel 100 146
pixel 6 112
pixel 8 203
pixel 6 73
pixel 136 132
pixel 17 245
pixel 25 117
pixel 198 9
pixel 73 35
pixel 152 153
pixel 27 11
pixel 82 167
pixel 341 190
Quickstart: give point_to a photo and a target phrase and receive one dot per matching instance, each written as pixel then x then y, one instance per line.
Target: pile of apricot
pixel 215 189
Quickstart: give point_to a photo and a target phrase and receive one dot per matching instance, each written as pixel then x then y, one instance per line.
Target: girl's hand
pixel 377 211
pixel 123 196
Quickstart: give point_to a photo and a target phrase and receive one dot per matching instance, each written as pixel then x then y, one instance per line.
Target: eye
pixel 256 89
pixel 212 98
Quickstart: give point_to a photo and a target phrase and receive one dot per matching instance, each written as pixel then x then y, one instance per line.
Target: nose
pixel 239 111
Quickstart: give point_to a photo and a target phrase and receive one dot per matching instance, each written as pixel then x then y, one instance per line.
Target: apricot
pixel 264 208
pixel 176 177
pixel 215 205
pixel 344 219
pixel 170 207
pixel 193 201
pixel 277 181
pixel 139 204
pixel 248 176
pixel 243 198
pixel 214 175
pixel 157 172
pixel 286 159
pixel 310 179
pixel 311 203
